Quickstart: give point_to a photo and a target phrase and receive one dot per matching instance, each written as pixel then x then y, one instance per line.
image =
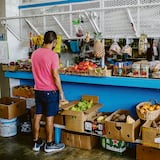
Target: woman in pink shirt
pixel 48 91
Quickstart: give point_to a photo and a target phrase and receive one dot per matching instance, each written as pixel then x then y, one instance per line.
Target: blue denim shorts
pixel 47 102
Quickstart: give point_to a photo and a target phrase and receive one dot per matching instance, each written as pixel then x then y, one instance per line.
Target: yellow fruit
pixel 100 119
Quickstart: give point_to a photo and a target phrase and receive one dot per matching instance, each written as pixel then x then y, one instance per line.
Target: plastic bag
pixel 78 28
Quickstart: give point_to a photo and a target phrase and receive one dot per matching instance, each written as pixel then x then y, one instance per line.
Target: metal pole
pixel 31 25
pixel 65 32
pixel 132 22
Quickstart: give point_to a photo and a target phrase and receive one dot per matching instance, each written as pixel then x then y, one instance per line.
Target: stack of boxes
pixel 10 109
pixel 74 124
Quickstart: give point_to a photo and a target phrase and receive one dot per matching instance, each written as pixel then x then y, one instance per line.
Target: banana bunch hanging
pixel 37 40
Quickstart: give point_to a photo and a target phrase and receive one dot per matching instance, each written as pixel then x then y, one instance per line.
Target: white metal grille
pixel 114 18
pixel 44 23
pixel 150 20
pixel 87 13
pixel 116 3
pixel 144 14
pixel 48 22
pixel 117 24
pixel 149 1
pixel 85 6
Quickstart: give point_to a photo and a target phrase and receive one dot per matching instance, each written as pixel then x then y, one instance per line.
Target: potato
pixel 115 116
pixel 130 119
pixel 122 118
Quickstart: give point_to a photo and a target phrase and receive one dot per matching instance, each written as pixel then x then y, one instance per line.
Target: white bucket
pixel 8 127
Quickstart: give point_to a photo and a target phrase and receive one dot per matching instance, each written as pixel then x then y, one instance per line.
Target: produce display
pixel 147 110
pixel 19 65
pixel 149 107
pixel 82 105
pixel 122 118
pixel 101 118
pixel 86 68
pixel 82 67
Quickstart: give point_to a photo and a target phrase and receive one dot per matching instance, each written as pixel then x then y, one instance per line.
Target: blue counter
pixel 113 81
pixel 114 92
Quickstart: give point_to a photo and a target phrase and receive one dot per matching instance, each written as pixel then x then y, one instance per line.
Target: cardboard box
pixel 150 135
pixel 74 120
pixel 12 107
pixel 122 130
pixel 146 153
pixel 79 140
pixel 23 91
pixel 95 127
pixel 113 145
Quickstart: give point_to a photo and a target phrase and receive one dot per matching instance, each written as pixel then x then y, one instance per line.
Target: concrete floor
pixel 19 147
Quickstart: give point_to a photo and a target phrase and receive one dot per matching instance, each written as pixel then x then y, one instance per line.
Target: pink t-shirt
pixel 43 61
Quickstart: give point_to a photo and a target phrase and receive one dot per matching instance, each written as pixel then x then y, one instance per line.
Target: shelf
pixel 111 81
pixel 19 75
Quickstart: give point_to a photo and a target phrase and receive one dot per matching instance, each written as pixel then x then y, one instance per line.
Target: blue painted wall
pixel 112 97
pixel 114 92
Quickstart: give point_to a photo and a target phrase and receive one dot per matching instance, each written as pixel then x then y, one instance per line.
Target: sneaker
pixel 38 144
pixel 52 147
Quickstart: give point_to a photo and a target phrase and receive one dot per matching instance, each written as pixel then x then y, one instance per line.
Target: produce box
pixel 79 140
pixel 113 145
pixel 146 153
pixel 150 135
pixel 74 119
pixel 96 125
pixel 12 107
pixel 122 130
pixel 23 91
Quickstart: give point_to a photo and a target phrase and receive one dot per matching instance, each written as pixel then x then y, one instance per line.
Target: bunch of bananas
pixel 37 40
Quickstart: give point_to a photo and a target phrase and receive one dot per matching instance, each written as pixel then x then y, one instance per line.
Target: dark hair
pixel 49 37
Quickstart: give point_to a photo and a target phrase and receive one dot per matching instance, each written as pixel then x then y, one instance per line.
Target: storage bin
pixel 8 127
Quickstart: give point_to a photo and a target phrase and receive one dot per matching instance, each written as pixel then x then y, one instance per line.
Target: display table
pixel 114 92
